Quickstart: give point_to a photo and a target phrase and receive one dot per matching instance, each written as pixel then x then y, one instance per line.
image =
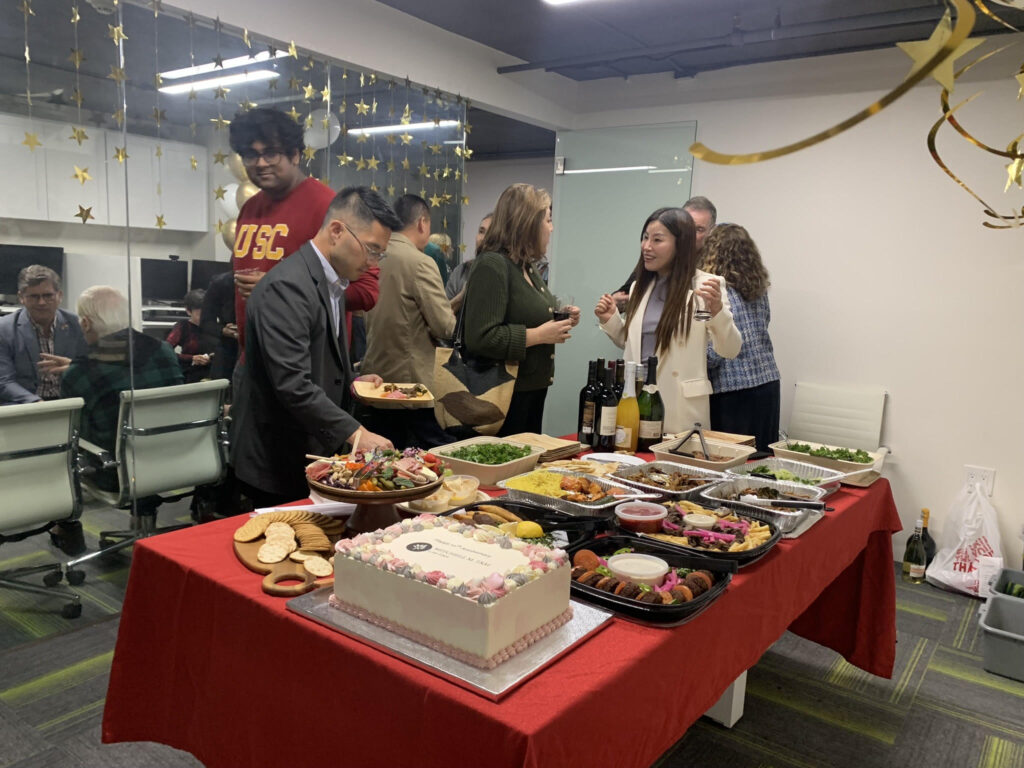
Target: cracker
pixel 288 545
pixel 252 529
pixel 300 555
pixel 271 553
pixel 317 566
pixel 281 527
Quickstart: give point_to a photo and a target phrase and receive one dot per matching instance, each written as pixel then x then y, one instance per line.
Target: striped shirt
pixel 755 364
pixel 49 384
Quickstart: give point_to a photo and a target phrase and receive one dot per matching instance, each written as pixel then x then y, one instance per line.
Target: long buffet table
pixel 208 663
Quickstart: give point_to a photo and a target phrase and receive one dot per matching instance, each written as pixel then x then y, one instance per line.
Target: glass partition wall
pixel 115 123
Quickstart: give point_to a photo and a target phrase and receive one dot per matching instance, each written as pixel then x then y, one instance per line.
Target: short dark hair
pixel 700 203
pixel 194 299
pixel 34 274
pixel 410 208
pixel 272 127
pixel 364 205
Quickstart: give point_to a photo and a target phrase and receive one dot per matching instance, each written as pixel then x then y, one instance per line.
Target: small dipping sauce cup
pixel 640 569
pixel 640 516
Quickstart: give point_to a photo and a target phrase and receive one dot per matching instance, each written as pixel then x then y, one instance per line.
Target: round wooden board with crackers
pixel 289 545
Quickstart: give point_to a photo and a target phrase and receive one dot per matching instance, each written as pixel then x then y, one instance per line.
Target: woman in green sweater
pixel 508 305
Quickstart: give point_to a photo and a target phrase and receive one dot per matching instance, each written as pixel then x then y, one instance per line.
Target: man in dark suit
pixel 38 342
pixel 294 383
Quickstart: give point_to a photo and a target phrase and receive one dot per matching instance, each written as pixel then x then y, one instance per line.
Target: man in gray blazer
pixel 38 341
pixel 294 385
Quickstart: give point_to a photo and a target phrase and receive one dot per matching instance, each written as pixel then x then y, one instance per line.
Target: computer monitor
pixel 204 270
pixel 14 258
pixel 164 280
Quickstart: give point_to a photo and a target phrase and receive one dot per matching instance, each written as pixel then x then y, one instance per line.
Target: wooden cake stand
pixel 374 509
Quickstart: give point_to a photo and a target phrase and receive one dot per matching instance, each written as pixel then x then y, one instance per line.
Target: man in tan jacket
pixel 411 315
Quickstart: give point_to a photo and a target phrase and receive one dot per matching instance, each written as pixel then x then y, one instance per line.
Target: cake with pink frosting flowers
pixel 476 594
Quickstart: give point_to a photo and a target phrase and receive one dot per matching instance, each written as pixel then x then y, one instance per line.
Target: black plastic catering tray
pixel 576 528
pixel 659 615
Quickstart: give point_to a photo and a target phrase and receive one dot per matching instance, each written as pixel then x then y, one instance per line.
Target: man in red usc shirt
pixel 288 210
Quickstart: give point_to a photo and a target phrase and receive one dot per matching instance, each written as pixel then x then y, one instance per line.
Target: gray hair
pixel 34 274
pixel 106 307
pixel 702 204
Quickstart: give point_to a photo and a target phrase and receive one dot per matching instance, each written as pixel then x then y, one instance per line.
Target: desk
pixel 207 663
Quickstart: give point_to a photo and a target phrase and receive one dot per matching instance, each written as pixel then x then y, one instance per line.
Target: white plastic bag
pixel 971 533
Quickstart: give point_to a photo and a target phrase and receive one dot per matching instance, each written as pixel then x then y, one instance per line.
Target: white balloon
pixel 227 203
pixel 316 135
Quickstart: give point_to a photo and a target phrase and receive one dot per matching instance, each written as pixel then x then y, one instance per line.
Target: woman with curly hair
pixel 660 317
pixel 746 397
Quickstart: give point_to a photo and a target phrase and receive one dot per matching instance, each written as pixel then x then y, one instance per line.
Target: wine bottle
pixel 914 557
pixel 604 435
pixel 627 425
pixel 652 409
pixel 641 377
pixel 620 378
pixel 588 406
pixel 929 542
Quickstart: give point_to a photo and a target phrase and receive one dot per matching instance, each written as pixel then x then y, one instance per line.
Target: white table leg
pixel 729 708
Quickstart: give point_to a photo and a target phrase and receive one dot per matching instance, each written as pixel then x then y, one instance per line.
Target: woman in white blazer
pixel 659 317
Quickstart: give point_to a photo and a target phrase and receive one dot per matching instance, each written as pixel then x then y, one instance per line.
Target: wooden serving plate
pixel 373 396
pixel 286 570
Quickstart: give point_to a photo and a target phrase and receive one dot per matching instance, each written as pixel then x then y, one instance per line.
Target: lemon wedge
pixel 509 528
pixel 528 529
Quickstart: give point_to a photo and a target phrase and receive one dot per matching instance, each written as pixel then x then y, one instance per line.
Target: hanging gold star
pixel 218 62
pixel 458 173
pixel 447 172
pixel 391 138
pixel 468 128
pixel 76 57
pixel 307 91
pixel 921 51
pixel 391 166
pixel 219 192
pixel 361 138
pixel 82 174
pixel 157 6
pixel 116 74
pixel 406 139
pixel 272 84
pixel 116 33
pixel 374 188
pixel 221 93
pixel 362 79
pixel 26 8
pixel 361 164
pixel 362 108
pixel 391 190
pixel 192 95
pixel 220 226
pixel 85 214
pixel 372 163
pixel 344 160
pixel 160 223
pixel 219 157
pixel 292 50
pixel 405 163
pixel 120 154
pixel 436 174
pixel 373 109
pixel 193 162
pixel 308 122
pixel 435 149
pixel 78 134
pixel 458 150
pixel 462 247
pixel 1013 173
pixel 342 107
pixel 293 113
pixel 159 115
pixel 245 106
pixel 435 201
pixel 309 64
pixel 325 95
pixel 467 153
pixel 219 122
pixel 76 96
pixel 118 117
pixel 326 122
pixel 293 83
pixel 424 170
pixel 245 38
pixel 75 18
pixel 308 153
pixel 32 141
pixel 465 199
pixel 447 197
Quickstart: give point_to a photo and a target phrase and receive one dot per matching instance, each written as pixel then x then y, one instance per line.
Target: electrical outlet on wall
pixel 984 475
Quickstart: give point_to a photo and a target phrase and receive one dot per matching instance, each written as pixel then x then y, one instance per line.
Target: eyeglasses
pixel 44 297
pixel 372 253
pixel 252 157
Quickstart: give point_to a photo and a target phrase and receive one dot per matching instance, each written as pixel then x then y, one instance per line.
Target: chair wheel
pixel 52 579
pixel 75 577
pixel 71 610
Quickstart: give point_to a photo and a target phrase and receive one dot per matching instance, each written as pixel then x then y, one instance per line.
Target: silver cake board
pixel 493 684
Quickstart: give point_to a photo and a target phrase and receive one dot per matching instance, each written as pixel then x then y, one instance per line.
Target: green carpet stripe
pixel 999 753
pixel 908 671
pixel 965 625
pixel 987 723
pixel 115 576
pixel 58 681
pixel 39 557
pixel 885 730
pixel 109 605
pixel 925 611
pixel 32 622
pixel 70 718
pixel 774 754
pixel 826 689
pixel 969 674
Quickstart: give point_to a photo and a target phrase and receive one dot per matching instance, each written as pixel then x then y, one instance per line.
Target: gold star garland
pixel 76 58
pixel 159 116
pixel 31 137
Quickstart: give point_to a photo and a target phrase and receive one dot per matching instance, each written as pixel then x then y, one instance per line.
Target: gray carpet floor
pixel 805 706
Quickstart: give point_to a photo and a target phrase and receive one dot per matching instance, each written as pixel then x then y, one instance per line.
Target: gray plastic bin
pixel 1002 640
pixel 1005 577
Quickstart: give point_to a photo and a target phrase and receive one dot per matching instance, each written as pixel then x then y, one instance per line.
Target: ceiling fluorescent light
pixel 615 170
pixel 687 169
pixel 217 82
pixel 560 2
pixel 239 61
pixel 409 127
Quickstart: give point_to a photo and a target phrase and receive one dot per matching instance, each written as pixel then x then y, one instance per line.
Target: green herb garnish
pixel 490 453
pixel 841 454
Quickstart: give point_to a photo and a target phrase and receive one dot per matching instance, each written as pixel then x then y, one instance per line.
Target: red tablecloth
pixel 208 663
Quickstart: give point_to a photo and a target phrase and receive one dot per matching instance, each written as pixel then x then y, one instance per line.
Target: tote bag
pixel 471 395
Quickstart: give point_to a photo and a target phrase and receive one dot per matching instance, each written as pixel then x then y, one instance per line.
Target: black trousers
pixel 753 411
pixel 525 413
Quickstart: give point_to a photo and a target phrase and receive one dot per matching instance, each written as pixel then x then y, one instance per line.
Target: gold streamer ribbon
pixel 984 9
pixel 944 98
pixel 961 30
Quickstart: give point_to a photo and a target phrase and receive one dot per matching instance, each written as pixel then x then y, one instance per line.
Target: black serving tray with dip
pixel 646 613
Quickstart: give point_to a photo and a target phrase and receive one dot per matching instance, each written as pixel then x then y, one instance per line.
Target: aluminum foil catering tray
pixel 823 477
pixel 602 508
pixel 633 476
pixel 786 514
